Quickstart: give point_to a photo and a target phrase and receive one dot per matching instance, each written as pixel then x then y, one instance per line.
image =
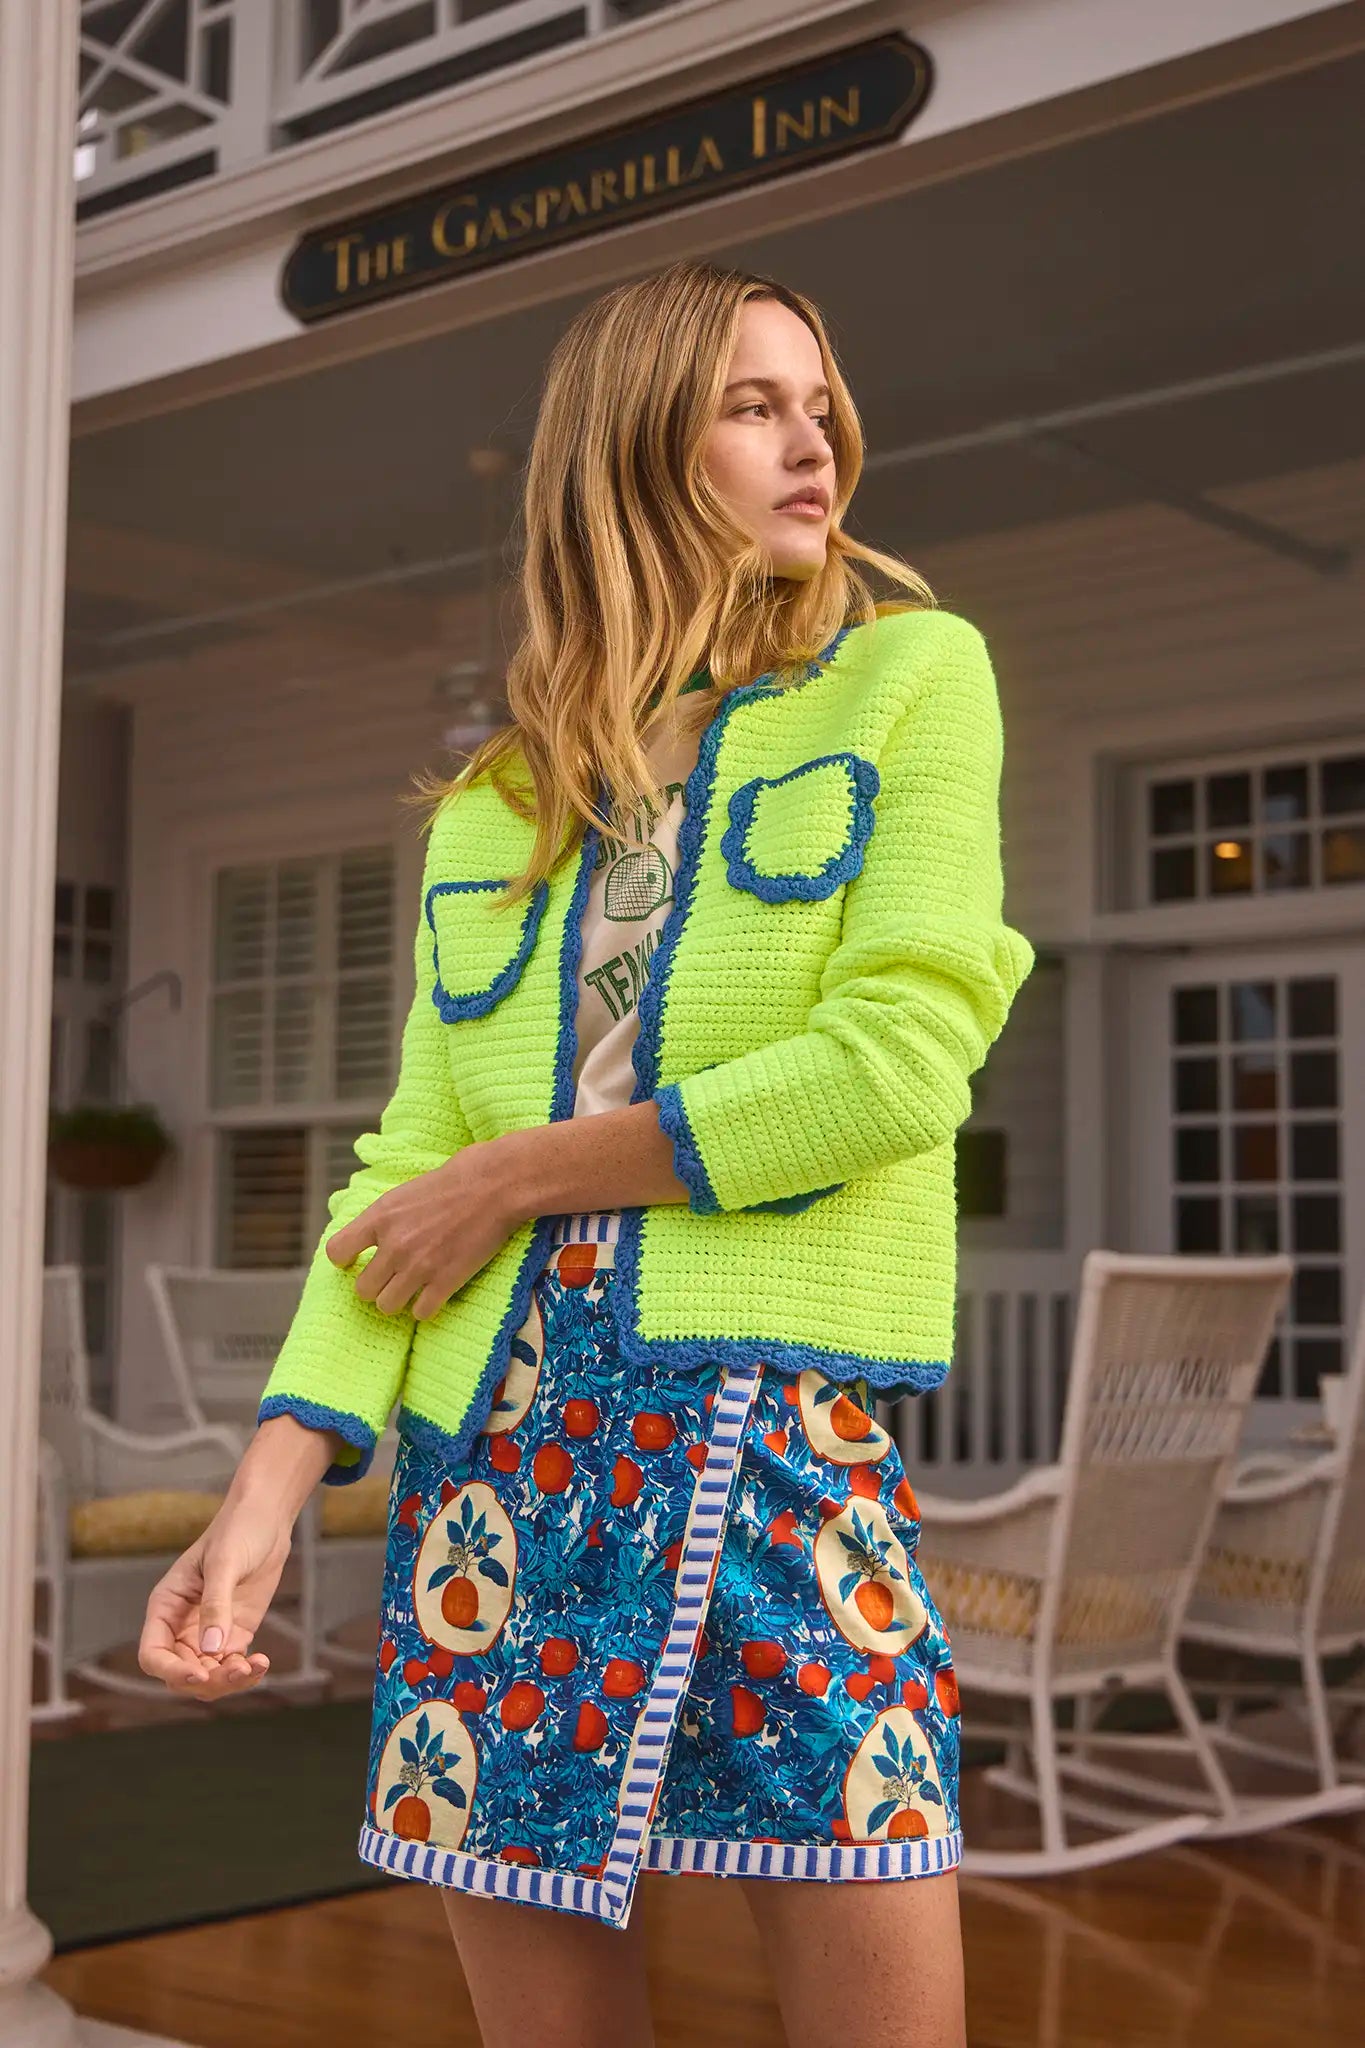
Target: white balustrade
pixel 182 90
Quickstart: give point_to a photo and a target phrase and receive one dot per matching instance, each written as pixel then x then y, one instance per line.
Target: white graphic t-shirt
pixel 630 894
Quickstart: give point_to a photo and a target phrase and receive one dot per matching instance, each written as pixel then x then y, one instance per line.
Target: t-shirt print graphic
pixel 630 895
pixel 632 889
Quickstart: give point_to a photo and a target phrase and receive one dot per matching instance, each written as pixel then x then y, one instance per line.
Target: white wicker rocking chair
pixel 115 1509
pixel 1073 1585
pixel 1284 1579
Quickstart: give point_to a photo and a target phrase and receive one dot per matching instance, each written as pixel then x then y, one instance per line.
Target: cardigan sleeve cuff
pixel 688 1163
pixel 690 1167
pixel 357 1454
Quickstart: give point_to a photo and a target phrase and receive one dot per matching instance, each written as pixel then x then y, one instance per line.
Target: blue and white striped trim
pixel 431 1864
pixel 601 1226
pixel 831 1862
pixel 647 1756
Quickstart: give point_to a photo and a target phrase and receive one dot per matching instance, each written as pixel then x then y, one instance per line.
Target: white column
pixel 37 129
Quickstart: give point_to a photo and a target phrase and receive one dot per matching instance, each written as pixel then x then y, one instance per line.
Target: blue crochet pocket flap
pixel 480 951
pixel 796 837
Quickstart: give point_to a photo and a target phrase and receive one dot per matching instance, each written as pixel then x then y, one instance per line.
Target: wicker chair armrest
pixel 125 1458
pixel 1254 1485
pixel 1031 1491
pixel 51 1544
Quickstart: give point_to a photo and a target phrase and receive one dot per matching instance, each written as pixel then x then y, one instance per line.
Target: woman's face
pixel 768 452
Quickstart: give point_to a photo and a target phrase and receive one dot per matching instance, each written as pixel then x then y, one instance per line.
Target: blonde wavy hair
pixel 634 573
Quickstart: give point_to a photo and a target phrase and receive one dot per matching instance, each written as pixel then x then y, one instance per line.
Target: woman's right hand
pixel 203 1615
pixel 224 1582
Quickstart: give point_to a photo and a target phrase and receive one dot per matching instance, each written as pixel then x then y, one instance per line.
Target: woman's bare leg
pixel 864 1961
pixel 549 1978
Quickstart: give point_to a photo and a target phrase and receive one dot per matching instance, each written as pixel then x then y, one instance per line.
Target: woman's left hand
pixel 430 1235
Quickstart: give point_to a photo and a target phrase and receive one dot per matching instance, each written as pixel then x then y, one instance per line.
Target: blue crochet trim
pixel 864 783
pixel 314 1416
pixel 696 801
pixel 688 1163
pixel 888 1377
pixel 792 1204
pixel 426 1436
pixel 571 954
pixel 480 1001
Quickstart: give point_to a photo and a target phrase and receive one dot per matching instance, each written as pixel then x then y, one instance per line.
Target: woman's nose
pixel 807 441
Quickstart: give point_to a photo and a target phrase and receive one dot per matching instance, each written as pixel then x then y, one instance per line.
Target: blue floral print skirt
pixel 659 1621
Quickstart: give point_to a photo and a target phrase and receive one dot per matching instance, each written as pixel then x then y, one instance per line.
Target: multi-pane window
pixel 1247 830
pixel 1256 1102
pixel 83 933
pixel 301 1021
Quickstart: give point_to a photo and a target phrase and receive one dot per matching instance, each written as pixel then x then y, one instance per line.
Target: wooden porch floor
pixel 1248 1945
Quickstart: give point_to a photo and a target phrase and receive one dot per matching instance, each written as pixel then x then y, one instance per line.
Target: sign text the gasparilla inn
pixel 781 122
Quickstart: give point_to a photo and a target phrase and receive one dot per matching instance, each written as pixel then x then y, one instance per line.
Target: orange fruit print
pixel 590 1732
pixel 558 1656
pixel 460 1602
pixel 523 1706
pixel 849 1422
pixel 552 1468
pixel 412 1818
pixel 875 1603
pixel 763 1659
pixel 653 1432
pixel 746 1709
pixel 627 1479
pixel 622 1679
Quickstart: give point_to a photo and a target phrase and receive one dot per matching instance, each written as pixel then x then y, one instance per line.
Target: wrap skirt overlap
pixel 656 1621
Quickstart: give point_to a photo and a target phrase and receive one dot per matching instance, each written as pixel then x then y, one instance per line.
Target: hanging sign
pixel 782 122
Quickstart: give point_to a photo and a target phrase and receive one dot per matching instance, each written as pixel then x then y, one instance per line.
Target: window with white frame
pixel 301 1041
pixel 1288 819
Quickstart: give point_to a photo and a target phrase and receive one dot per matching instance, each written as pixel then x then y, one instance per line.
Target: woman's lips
pixel 806 508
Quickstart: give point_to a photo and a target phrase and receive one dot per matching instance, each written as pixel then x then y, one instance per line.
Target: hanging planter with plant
pixel 100 1146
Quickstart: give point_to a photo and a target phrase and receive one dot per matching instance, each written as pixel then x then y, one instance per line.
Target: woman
pixel 711 940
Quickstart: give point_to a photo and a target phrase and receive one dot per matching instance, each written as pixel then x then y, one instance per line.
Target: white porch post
pixel 37 129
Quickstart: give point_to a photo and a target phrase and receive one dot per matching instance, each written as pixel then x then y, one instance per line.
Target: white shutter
pixel 364 958
pixel 238 1050
pixel 262 1197
pixel 241 921
pixel 302 1014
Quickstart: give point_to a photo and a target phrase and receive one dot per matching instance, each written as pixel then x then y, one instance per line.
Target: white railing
pixel 1000 1409
pixel 174 91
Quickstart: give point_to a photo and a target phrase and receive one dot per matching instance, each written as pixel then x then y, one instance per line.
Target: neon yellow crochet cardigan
pixel 833 968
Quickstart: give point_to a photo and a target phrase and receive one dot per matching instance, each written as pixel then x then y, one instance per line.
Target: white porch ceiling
pixel 1202 241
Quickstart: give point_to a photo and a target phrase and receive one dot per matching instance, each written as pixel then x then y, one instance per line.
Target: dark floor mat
pixel 141 1829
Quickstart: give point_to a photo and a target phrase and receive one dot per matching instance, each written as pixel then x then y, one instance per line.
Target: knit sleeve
pixel 343 1359
pixel 914 993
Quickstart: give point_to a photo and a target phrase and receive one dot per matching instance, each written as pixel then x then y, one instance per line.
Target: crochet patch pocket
pixel 796 837
pixel 479 951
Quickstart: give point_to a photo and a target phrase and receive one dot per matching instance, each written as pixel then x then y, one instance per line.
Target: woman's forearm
pixel 282 1464
pixel 620 1159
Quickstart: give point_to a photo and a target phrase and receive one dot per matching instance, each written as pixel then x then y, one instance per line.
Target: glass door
pixel 1247 1135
